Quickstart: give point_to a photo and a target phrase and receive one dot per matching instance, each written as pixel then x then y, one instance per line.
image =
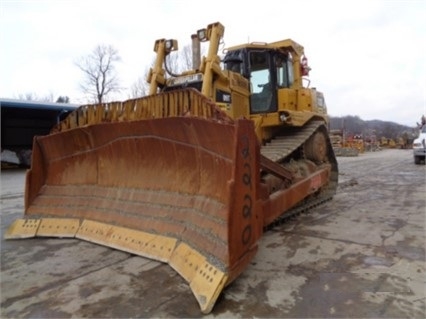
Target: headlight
pixel 171 45
pixel 417 145
pixel 202 35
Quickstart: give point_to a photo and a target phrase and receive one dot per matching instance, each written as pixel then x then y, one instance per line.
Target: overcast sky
pixel 367 56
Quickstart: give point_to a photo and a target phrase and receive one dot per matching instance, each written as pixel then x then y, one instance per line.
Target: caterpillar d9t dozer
pixel 194 172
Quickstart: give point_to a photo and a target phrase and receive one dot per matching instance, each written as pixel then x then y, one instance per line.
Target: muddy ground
pixel 361 255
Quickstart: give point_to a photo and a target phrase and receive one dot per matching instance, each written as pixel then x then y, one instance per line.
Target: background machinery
pixel 193 173
pixel 419 143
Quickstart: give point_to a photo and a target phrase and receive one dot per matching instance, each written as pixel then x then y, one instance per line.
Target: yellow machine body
pixel 193 173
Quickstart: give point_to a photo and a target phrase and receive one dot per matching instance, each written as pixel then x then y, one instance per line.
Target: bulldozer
pixel 193 173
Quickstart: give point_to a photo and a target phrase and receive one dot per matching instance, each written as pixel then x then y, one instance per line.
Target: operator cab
pixel 267 71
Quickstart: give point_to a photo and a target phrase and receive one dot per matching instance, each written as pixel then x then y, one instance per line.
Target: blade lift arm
pixel 209 66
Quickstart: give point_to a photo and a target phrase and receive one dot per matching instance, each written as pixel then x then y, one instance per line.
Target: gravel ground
pixel 361 255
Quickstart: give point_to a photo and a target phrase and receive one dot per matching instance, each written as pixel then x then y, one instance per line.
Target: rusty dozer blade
pixel 181 190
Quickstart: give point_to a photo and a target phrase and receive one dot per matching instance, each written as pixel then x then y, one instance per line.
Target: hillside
pixel 354 125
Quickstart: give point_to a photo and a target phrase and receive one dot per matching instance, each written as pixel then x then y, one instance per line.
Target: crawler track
pixel 289 146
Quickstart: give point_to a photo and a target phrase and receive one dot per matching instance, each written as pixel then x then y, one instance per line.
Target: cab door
pixel 263 91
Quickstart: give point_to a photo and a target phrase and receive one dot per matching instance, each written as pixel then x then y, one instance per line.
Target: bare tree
pixel 31 96
pixel 63 99
pixel 180 61
pixel 100 73
pixel 140 87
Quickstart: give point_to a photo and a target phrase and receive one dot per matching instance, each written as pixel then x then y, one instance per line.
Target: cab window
pixel 282 71
pixel 261 82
